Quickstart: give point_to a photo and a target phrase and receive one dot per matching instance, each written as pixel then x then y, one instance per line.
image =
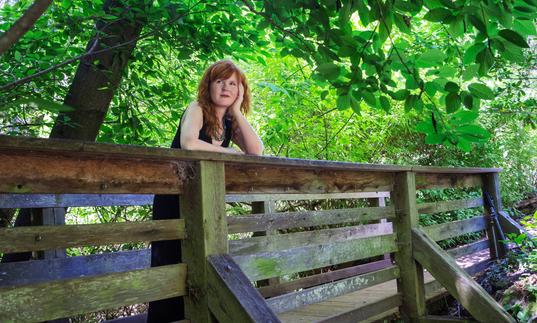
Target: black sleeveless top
pixel 176 143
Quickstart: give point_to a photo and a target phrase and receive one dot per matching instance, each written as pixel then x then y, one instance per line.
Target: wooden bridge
pixel 376 253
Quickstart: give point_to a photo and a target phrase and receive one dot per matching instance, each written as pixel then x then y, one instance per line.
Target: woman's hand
pixel 235 108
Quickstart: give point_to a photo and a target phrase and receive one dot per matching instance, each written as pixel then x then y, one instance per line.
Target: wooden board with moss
pixel 64 298
pixel 448 230
pixel 277 263
pixel 33 238
pixel 273 221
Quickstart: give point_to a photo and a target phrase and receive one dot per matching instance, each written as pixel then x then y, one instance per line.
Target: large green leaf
pixel 330 71
pixel 453 102
pixel 513 37
pixel 471 53
pixel 432 57
pixel 481 91
pixel 437 15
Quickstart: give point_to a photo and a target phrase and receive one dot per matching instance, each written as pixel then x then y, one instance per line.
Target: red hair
pixel 220 70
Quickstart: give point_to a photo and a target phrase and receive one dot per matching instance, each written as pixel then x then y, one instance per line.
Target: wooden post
pixel 410 283
pixel 491 185
pixel 203 208
pixel 260 207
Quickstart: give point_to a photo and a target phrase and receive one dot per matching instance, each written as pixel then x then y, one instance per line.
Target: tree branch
pixel 21 26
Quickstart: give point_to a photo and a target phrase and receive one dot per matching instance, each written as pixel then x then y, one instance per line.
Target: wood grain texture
pixel 273 221
pixel 52 237
pixel 245 178
pixel 446 206
pixel 293 197
pixel 330 290
pixel 444 319
pixel 459 284
pixel 439 181
pixel 326 277
pixel 32 172
pixel 298 239
pixel 468 248
pixel 39 271
pixel 203 208
pixel 71 200
pixel 272 264
pixel 10 143
pixel 363 313
pixel 448 230
pixel 410 283
pixel 47 301
pixel 232 297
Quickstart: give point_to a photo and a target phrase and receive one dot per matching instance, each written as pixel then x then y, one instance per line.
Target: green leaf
pixel 399 95
pixel 330 71
pixel 525 27
pixel 513 53
pixel 363 12
pixel 370 99
pixel 481 91
pixel 471 53
pixel 355 105
pixel 425 127
pixel 385 103
pixel 410 102
pixel 463 117
pixel 343 102
pixel 478 23
pixel 431 88
pixel 437 15
pixel 451 87
pixel 470 71
pixel 514 37
pixel 464 144
pixel 453 102
pixel 38 103
pixel 473 133
pixel 456 27
pixel 401 23
pixel 430 58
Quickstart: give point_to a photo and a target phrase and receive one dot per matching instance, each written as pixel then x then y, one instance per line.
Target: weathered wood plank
pixel 361 314
pixel 438 181
pixel 459 284
pixel 318 279
pixel 203 208
pixel 66 298
pixel 52 237
pixel 410 282
pixel 39 271
pixel 277 263
pixel 446 206
pixel 273 221
pixel 468 248
pixel 448 230
pixel 297 239
pixel 232 298
pixel 297 197
pixel 70 200
pixel 34 172
pixel 511 226
pixel 327 291
pixel 242 178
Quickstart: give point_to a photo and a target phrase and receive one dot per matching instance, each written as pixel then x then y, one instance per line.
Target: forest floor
pixel 512 282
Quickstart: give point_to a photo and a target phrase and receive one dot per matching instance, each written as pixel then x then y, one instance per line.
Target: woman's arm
pixel 190 128
pixel 245 136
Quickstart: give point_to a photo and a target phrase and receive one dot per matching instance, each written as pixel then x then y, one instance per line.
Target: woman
pixel 209 124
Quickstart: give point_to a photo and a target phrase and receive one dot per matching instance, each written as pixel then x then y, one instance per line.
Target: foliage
pixel 525 256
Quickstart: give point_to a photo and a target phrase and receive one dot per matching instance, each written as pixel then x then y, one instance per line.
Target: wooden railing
pixel 216 273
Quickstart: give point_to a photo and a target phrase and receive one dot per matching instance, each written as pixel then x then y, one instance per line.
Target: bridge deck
pixel 339 308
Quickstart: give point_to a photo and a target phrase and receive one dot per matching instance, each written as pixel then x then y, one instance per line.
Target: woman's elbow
pixel 257 151
pixel 187 144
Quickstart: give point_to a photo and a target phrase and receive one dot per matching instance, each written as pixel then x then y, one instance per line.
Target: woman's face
pixel 225 91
